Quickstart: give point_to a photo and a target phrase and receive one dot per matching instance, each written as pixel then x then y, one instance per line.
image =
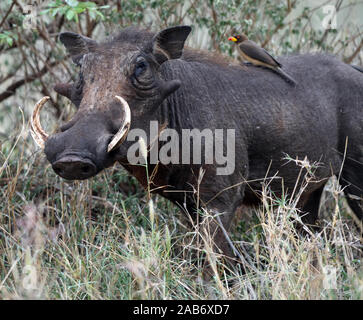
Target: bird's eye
pixel 140 67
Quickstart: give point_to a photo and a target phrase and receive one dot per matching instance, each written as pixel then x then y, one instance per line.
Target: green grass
pixel 104 239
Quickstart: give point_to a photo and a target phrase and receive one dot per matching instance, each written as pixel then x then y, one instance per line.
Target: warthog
pixel 138 77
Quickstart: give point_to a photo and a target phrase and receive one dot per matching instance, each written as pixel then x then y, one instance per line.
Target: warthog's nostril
pixel 86 168
pixel 74 168
pixel 58 170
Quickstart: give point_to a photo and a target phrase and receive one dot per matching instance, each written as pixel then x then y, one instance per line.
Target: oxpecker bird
pixel 258 56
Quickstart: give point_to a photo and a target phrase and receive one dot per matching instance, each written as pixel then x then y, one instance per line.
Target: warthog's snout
pixel 86 145
pixel 74 167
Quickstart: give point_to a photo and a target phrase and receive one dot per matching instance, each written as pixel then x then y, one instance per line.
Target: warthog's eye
pixel 140 67
pixel 142 77
pixel 79 83
pixel 76 96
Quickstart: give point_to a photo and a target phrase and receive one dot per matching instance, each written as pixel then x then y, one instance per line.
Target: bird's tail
pixel 286 76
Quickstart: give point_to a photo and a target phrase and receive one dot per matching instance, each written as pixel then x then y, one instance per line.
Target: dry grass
pixel 104 239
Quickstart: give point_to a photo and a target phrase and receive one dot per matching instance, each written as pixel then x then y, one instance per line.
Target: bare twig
pixel 7 14
pixel 355 53
pixel 10 90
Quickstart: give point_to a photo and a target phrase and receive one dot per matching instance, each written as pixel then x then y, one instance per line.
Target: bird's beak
pixel 232 39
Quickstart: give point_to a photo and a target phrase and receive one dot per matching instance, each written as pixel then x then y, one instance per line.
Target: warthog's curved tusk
pixel 36 130
pixel 120 136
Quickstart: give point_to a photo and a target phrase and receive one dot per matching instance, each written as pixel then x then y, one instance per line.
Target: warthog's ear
pixel 76 44
pixel 169 43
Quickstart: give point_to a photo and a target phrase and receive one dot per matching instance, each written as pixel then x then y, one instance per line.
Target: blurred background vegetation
pixel 85 263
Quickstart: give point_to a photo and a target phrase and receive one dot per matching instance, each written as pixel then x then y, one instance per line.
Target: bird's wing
pixel 278 63
pixel 252 50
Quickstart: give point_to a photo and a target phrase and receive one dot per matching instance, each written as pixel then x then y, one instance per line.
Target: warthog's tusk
pixel 38 134
pixel 120 136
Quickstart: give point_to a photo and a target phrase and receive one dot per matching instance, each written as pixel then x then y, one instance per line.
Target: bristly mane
pixel 143 38
pixel 131 35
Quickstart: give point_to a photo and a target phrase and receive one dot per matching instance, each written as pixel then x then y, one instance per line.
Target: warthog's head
pixel 119 86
